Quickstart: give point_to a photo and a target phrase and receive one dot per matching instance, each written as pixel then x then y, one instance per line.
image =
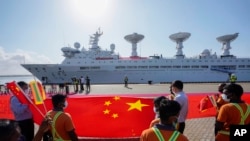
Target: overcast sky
pixel 35 31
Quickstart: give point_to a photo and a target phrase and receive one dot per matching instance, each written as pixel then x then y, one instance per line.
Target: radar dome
pixel 205 52
pixel 77 45
pixel 112 46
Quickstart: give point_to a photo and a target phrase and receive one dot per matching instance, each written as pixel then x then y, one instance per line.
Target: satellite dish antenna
pixel 134 39
pixel 225 40
pixel 77 45
pixel 179 38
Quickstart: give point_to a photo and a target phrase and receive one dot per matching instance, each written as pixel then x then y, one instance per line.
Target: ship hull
pixel 144 71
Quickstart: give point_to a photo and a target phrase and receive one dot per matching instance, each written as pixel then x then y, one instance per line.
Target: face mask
pixel 154 109
pixel 27 92
pixel 224 97
pixel 171 91
pixel 156 113
pixel 65 104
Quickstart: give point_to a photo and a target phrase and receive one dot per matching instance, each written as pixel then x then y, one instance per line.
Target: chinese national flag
pixel 206 103
pixel 18 92
pixel 109 117
pixel 5 110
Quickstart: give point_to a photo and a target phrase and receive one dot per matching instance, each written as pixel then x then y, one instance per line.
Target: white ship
pixel 107 67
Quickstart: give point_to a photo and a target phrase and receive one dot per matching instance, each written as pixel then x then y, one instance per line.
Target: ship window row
pixel 244 66
pixel 163 67
pixel 92 68
pixel 150 61
pixel 221 67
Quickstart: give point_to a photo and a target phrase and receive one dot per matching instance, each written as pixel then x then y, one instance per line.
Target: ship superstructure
pixel 107 67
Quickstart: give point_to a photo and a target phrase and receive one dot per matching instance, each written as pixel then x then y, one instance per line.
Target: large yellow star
pixel 137 105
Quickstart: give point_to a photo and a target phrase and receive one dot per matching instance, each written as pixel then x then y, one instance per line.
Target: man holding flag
pixel 22 113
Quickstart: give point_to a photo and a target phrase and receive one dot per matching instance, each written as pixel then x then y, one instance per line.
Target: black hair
pixel 178 84
pixel 157 100
pixel 235 89
pixel 168 108
pixel 221 87
pixel 57 99
pixel 7 129
pixel 22 84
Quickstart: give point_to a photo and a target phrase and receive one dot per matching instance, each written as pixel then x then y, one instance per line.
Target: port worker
pixel 87 84
pixel 234 113
pixel 126 81
pixel 75 83
pixel 233 78
pixel 165 130
pixel 221 99
pixel 82 81
pixel 157 102
pixel 62 127
pixel 23 114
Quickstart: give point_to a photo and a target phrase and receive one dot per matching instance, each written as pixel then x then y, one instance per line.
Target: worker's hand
pixel 45 124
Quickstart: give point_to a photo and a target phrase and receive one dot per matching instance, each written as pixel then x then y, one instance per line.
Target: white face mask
pixel 154 109
pixel 175 122
pixel 156 113
pixel 65 104
pixel 27 92
pixel 224 97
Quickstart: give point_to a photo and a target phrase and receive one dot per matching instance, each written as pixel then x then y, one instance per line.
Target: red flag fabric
pixel 206 103
pixel 18 92
pixel 108 117
pixel 5 111
pixel 88 113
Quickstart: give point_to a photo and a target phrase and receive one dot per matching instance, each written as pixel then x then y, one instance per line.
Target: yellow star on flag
pixel 115 115
pixel 137 105
pixel 107 103
pixel 106 111
pixel 116 98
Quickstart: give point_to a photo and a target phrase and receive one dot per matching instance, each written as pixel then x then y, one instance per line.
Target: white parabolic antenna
pixel 134 39
pixel 179 38
pixel 225 40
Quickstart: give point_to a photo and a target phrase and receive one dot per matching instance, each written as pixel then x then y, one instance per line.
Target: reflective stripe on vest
pixel 173 137
pixel 243 117
pixel 56 136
